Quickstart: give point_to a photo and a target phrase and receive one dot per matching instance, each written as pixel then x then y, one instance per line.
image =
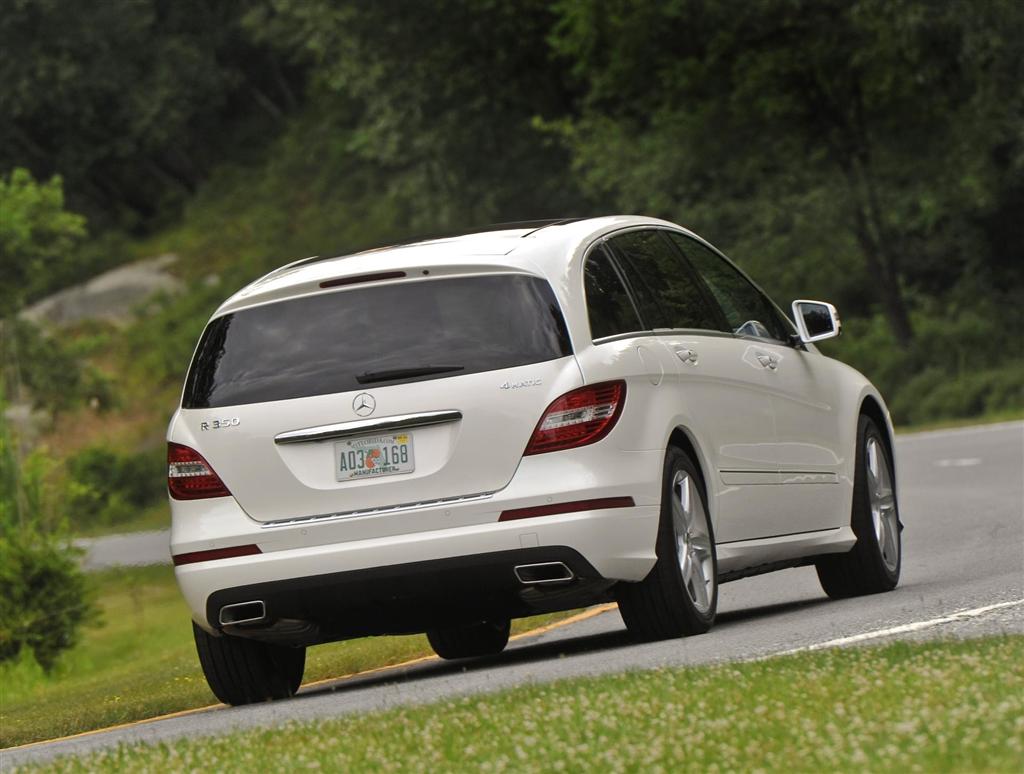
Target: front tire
pixel 482 639
pixel 679 597
pixel 243 671
pixel 873 565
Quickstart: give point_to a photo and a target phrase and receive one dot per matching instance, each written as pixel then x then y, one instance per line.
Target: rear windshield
pixel 374 336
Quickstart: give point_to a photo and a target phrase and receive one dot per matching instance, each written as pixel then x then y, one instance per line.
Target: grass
pixel 141 662
pixel 946 706
pixel 990 418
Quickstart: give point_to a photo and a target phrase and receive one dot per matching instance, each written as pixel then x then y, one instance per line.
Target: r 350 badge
pixel 218 424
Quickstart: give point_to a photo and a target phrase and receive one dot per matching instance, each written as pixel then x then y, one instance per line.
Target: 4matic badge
pixel 520 385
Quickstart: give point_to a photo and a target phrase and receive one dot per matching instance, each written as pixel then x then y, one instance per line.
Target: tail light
pixel 578 418
pixel 190 477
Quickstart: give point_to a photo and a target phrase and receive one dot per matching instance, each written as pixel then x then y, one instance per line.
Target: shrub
pixel 108 486
pixel 49 370
pixel 43 593
pixel 43 596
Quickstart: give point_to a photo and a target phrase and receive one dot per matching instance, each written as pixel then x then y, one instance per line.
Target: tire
pixel 873 564
pixel 671 602
pixel 482 639
pixel 243 671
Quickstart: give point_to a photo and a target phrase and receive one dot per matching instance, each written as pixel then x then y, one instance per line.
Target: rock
pixel 112 296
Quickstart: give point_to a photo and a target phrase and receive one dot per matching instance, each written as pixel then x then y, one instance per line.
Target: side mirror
pixel 816 320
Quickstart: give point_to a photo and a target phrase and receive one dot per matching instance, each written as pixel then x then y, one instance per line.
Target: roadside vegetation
pixel 862 152
pixel 139 661
pixel 859 151
pixel 944 706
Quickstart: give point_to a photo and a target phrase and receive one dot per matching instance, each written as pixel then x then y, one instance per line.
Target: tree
pixel 870 137
pixel 35 234
pixel 132 101
pixel 442 97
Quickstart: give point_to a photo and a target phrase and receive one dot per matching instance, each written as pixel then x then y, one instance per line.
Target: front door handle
pixel 687 355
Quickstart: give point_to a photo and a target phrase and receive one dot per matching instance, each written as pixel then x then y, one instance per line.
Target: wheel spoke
pixel 882 500
pixel 693 542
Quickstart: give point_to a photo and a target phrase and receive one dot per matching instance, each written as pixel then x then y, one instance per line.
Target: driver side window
pixel 748 312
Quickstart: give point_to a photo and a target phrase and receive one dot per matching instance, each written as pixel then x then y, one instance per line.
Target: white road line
pixel 959 462
pixel 902 629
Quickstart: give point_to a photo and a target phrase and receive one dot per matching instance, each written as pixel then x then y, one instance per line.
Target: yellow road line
pixel 588 613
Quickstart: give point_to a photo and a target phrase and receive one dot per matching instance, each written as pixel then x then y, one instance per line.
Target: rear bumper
pixel 331 562
pixel 611 544
pixel 408 598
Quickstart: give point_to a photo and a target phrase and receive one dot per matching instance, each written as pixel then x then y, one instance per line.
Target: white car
pixel 442 436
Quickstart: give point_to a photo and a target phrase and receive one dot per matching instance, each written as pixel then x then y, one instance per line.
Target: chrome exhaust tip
pixel 543 572
pixel 243 612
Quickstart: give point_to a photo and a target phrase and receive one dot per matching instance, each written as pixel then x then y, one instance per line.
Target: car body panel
pixel 776 447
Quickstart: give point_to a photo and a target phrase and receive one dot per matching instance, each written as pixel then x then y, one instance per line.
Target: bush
pixel 959 366
pixel 49 370
pixel 43 593
pixel 108 486
pixel 43 596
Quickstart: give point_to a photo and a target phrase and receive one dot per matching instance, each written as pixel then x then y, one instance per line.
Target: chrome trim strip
pixel 366 426
pixel 387 509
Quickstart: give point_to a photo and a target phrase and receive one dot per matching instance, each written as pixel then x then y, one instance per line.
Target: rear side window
pixel 609 307
pixel 374 336
pixel 668 293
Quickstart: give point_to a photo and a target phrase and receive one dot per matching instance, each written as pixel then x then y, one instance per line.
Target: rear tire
pixel 243 671
pixel 679 597
pixel 873 565
pixel 482 639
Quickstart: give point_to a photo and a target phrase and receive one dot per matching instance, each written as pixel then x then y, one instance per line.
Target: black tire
pixel 864 570
pixel 660 607
pixel 243 671
pixel 482 639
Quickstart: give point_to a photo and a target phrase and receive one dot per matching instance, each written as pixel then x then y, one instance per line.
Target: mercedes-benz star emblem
pixel 364 404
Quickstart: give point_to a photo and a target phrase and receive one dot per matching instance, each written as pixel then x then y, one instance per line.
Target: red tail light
pixel 578 418
pixel 190 477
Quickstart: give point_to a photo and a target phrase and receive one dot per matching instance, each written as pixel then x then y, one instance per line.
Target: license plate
pixel 373 456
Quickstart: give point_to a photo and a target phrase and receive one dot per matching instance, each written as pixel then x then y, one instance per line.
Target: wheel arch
pixel 870 407
pixel 682 438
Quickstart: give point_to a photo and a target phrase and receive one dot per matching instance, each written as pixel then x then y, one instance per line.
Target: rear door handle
pixel 687 355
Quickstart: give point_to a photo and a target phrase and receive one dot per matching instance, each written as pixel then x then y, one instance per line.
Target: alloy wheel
pixel 883 503
pixel 693 541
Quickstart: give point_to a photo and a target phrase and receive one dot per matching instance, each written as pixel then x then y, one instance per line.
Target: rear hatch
pixel 377 395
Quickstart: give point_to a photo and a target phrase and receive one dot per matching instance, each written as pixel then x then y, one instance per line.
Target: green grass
pixel 141 662
pixel 947 706
pixel 991 418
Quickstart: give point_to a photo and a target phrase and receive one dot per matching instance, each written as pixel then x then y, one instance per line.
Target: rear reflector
pixel 578 418
pixel 215 553
pixel 190 477
pixel 578 505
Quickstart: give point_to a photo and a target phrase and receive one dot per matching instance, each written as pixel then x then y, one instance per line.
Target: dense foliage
pixel 108 486
pixel 868 152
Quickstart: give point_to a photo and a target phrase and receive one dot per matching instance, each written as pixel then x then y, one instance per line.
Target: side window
pixel 609 307
pixel 748 311
pixel 668 293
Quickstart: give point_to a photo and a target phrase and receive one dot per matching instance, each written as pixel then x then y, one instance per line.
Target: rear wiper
pixel 405 373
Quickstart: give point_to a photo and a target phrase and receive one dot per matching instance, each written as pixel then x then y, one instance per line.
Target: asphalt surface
pixel 962 500
pixel 136 548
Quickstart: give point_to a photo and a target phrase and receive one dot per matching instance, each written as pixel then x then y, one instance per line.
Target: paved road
pixel 963 505
pixel 136 548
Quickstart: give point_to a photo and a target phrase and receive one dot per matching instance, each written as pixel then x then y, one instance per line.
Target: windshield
pixel 386 334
